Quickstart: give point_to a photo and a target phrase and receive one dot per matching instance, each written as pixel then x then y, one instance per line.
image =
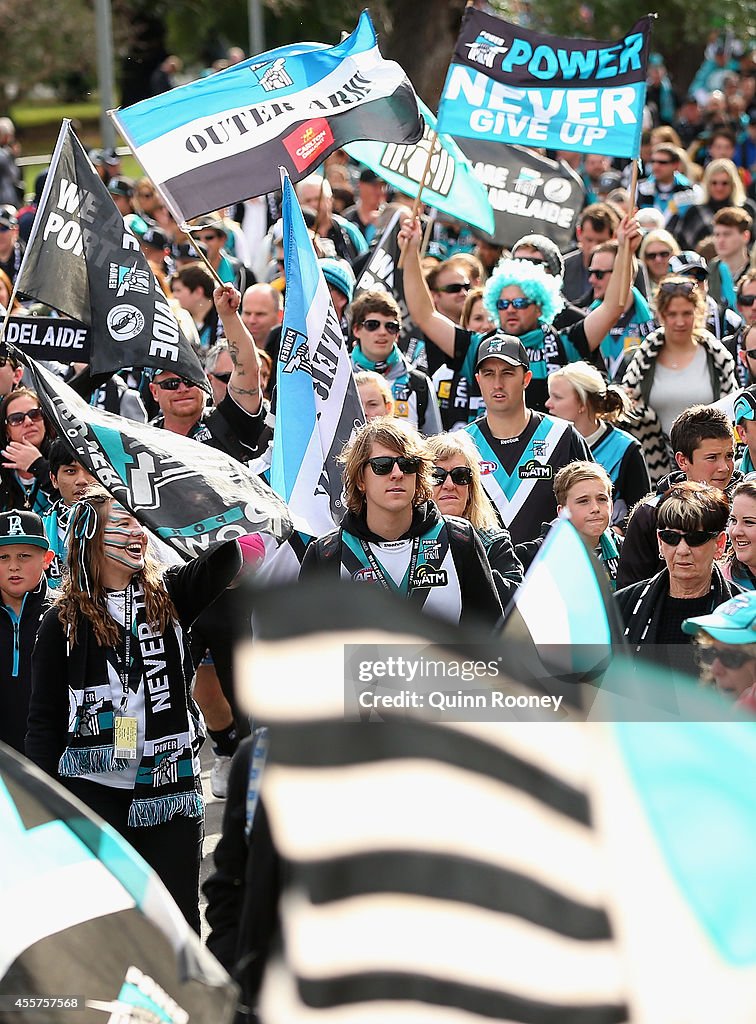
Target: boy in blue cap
pixel 24 598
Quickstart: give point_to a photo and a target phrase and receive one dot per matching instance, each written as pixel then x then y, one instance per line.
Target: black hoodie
pixel 479 600
pixel 17 636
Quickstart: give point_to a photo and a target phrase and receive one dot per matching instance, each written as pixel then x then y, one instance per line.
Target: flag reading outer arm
pixel 221 139
pixel 509 84
pixel 451 185
pixel 83 261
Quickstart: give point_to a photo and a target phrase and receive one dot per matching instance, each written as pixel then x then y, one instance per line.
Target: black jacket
pixel 479 599
pixel 243 890
pixel 16 645
pixel 12 494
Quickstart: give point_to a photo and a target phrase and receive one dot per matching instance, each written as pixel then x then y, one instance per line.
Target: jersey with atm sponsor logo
pixel 518 472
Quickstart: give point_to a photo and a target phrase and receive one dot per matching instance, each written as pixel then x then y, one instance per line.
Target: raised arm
pixel 433 324
pixel 600 320
pixel 244 385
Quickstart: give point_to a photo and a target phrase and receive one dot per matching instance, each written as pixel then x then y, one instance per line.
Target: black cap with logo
pixel 21 527
pixel 498 345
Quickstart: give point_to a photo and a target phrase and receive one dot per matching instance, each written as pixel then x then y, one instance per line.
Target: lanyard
pixel 380 575
pixel 126 660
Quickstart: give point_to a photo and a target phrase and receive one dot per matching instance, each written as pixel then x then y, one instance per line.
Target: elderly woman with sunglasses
pixel 26 436
pixel 393 536
pixel 676 366
pixel 725 646
pixel 458 491
pixel 691 524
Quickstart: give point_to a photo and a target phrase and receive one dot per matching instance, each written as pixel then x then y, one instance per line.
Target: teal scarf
pixel 609 556
pixel 532 340
pixel 383 366
pixel 728 286
pixel 628 327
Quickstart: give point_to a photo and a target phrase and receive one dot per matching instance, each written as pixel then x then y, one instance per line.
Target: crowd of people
pixel 614 383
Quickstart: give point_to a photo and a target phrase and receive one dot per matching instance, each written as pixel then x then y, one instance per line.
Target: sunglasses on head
pixel 598 274
pixel 693 538
pixel 460 475
pixel 455 289
pixel 391 326
pixel 173 384
pixel 678 287
pixel 663 254
pixel 224 378
pixel 382 465
pixel 727 659
pixel 746 300
pixel 15 419
pixel 517 303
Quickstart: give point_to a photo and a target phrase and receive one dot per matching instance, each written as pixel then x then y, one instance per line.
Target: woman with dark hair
pixel 691 523
pixel 580 394
pixel 26 436
pixel 677 366
pixel 394 536
pixel 111 714
pixel 740 567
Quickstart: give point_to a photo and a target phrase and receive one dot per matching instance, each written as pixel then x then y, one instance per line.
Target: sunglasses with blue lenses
pixel 516 303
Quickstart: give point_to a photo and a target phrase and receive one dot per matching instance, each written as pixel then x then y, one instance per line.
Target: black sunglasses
pixel 224 378
pixel 461 475
pixel 700 275
pixel 664 254
pixel 455 289
pixel 537 260
pixel 678 287
pixel 598 274
pixel 517 303
pixel 746 300
pixel 391 326
pixel 728 659
pixel 693 538
pixel 664 163
pixel 751 353
pixel 382 465
pixel 15 419
pixel 173 384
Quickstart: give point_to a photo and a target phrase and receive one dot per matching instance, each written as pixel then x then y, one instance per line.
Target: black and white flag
pixel 83 261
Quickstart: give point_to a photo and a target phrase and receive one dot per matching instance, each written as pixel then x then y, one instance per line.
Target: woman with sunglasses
pixel 722 187
pixel 26 436
pixel 458 491
pixel 112 714
pixel 691 523
pixel 656 250
pixel 725 646
pixel 376 325
pixel 393 535
pixel 675 367
pixel 580 394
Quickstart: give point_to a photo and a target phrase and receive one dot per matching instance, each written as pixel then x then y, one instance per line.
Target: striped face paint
pixel 124 539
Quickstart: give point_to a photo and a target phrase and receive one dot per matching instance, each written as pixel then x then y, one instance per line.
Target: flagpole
pixel 428 230
pixel 416 205
pixel 198 247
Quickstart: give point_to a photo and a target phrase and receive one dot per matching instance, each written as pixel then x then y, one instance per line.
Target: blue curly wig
pixel 533 282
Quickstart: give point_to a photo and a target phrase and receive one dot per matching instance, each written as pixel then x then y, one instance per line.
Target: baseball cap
pixel 104 156
pixel 339 274
pixel 744 407
pixel 210 224
pixel 155 238
pixel 7 218
pixel 498 345
pixel 20 527
pixel 546 247
pixel 121 187
pixel 733 622
pixel 610 180
pixel 689 261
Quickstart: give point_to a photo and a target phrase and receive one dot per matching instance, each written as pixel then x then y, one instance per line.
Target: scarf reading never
pixel 165 782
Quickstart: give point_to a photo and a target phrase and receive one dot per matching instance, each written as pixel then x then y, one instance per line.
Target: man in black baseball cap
pixel 24 597
pixel 721 321
pixel 520 450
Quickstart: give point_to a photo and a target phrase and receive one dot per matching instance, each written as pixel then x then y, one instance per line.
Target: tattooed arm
pixel 244 385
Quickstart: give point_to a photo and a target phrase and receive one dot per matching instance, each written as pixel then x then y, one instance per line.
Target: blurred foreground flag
pixel 221 139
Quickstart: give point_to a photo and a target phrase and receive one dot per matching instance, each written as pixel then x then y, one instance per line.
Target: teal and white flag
pixel 451 187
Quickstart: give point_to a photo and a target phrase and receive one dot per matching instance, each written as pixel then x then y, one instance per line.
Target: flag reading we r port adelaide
pixel 508 84
pixel 83 261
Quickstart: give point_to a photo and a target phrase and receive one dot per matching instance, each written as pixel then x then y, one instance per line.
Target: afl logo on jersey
pixel 365 576
pixel 487 467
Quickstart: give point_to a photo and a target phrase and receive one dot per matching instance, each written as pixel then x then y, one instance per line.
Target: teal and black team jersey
pixel 621 456
pixel 518 472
